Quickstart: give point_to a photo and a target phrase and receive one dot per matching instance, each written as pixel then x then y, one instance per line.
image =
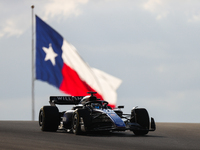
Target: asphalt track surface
pixel 26 135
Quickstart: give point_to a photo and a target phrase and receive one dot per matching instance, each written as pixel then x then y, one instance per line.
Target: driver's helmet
pixel 96 105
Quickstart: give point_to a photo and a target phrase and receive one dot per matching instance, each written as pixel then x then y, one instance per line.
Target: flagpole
pixel 33 78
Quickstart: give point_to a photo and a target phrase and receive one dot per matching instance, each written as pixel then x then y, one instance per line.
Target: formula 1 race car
pixel 92 115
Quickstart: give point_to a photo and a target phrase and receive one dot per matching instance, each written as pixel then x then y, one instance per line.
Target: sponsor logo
pixel 68 98
pixel 113 114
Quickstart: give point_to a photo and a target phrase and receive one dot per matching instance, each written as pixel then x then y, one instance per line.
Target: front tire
pixel 76 123
pixel 49 118
pixel 141 117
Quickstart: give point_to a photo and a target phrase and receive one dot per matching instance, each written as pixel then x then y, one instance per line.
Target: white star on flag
pixel 50 54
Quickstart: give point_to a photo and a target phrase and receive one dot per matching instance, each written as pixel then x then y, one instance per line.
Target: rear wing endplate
pixel 65 100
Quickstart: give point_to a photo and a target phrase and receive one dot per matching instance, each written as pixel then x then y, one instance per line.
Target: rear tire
pixel 141 117
pixel 49 118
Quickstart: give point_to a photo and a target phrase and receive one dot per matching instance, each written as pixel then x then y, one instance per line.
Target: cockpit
pixel 96 105
pixel 92 102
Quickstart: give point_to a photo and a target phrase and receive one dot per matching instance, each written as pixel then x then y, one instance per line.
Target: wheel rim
pixel 75 122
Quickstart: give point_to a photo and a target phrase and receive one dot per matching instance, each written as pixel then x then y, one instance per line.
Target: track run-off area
pixel 23 135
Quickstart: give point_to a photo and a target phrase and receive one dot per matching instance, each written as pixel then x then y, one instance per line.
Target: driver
pixel 96 105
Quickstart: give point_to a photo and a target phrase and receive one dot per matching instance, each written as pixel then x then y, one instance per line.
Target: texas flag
pixel 59 64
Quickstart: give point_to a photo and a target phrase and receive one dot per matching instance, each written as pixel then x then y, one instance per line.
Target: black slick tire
pixel 49 118
pixel 142 118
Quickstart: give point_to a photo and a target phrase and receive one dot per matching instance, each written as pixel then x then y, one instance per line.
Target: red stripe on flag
pixel 73 85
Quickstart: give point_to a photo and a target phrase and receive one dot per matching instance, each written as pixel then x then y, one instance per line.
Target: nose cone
pixel 117 120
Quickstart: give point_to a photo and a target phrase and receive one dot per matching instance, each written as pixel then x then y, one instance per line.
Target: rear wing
pixel 65 100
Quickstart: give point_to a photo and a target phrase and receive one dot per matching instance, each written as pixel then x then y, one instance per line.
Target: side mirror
pixel 120 107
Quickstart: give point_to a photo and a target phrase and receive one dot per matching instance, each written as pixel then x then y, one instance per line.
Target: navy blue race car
pixel 90 114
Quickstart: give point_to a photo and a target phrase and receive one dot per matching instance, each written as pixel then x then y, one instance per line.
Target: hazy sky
pixel 151 45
